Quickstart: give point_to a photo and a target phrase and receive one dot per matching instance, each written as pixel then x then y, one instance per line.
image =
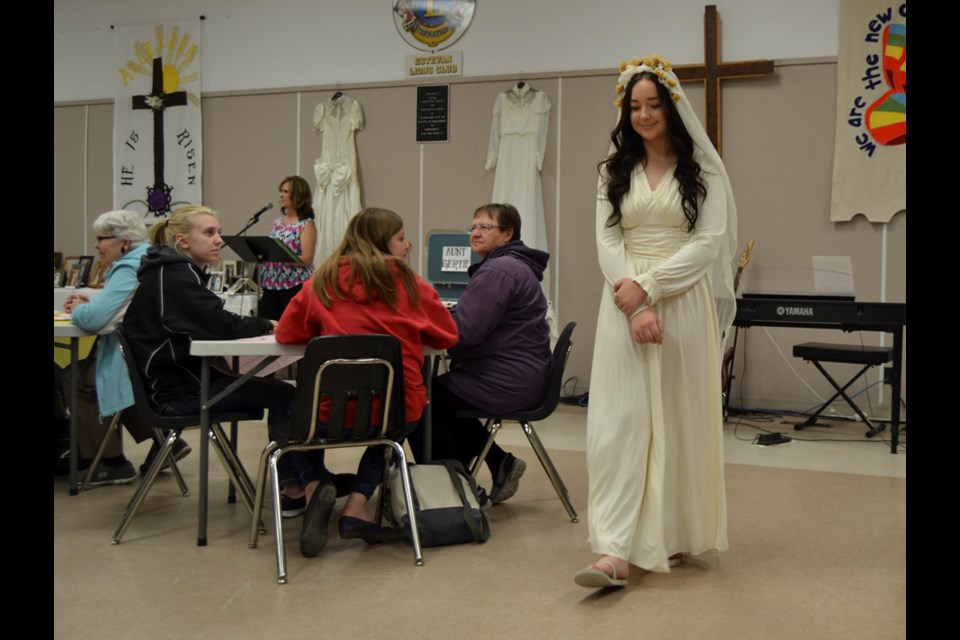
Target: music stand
pixel 258 249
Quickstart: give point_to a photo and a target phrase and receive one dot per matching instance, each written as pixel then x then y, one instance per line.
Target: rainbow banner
pixel 870 152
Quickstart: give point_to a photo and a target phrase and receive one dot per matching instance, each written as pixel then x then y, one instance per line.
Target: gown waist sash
pixel 654 243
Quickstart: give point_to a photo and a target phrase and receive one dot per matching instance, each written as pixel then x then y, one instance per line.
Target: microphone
pixel 263 209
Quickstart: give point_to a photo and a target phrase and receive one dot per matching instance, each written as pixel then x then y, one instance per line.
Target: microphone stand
pixel 254 220
pixel 245 281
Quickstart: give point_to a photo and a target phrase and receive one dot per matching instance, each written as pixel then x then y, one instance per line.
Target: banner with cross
pixel 157 157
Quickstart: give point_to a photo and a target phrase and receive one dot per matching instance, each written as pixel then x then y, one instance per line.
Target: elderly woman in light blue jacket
pixel 121 242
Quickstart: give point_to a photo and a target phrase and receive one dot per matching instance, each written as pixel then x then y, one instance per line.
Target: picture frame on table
pixel 69 263
pixel 73 276
pixel 57 259
pixel 96 280
pixel 59 275
pixel 215 283
pixel 229 271
pixel 86 269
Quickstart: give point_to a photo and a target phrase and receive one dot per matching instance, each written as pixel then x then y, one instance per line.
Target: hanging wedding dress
pixel 336 198
pixel 518 139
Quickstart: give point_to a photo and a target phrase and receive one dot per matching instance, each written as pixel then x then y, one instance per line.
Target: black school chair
pixel 362 372
pixel 526 419
pixel 167 429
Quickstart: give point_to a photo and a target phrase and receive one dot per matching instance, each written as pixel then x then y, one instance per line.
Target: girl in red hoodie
pixel 366 286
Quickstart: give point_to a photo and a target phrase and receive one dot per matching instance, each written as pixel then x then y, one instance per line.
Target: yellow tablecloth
pixel 62 356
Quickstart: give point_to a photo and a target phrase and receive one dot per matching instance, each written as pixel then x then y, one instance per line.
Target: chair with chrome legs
pixel 352 375
pixel 526 419
pixel 115 426
pixel 166 431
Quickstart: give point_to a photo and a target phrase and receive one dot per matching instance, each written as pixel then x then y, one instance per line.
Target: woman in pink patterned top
pixel 296 229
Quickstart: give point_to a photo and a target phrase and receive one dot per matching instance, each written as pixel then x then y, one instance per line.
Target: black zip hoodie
pixel 171 307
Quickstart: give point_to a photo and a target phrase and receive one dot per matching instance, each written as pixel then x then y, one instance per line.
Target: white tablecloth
pixel 241 303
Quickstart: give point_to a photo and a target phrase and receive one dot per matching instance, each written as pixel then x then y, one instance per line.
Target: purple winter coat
pixel 502 359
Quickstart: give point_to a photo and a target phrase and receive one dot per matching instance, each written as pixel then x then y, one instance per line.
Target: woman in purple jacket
pixel 502 360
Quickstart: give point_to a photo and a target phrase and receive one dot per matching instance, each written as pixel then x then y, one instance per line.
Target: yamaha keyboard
pixel 845 314
pixel 820 312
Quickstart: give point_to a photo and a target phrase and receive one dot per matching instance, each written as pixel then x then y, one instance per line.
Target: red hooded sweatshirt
pixel 429 324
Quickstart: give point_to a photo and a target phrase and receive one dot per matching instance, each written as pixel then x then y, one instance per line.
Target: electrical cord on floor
pixel 804 413
pixel 755 411
pixel 741 423
pixel 579 399
pixel 754 417
pixel 746 416
pixel 833 413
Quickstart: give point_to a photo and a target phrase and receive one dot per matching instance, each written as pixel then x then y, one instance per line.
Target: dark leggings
pixel 455 438
pixel 309 465
pixel 256 393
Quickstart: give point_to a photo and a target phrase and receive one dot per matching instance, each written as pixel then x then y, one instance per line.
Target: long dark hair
pixel 629 152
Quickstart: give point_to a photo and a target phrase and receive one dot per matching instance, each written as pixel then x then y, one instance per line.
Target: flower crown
pixel 656 65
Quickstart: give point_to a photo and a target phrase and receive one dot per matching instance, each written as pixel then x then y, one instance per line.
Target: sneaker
pixel 113 475
pixel 292 507
pixel 483 499
pixel 507 480
pixel 180 451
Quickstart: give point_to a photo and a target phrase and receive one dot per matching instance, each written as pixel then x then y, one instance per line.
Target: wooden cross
pixel 713 71
pixel 158 196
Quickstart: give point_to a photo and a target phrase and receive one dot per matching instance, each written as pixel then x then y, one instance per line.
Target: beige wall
pixel 778 147
pixel 69 161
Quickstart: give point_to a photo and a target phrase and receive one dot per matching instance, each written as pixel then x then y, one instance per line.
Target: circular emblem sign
pixel 430 25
